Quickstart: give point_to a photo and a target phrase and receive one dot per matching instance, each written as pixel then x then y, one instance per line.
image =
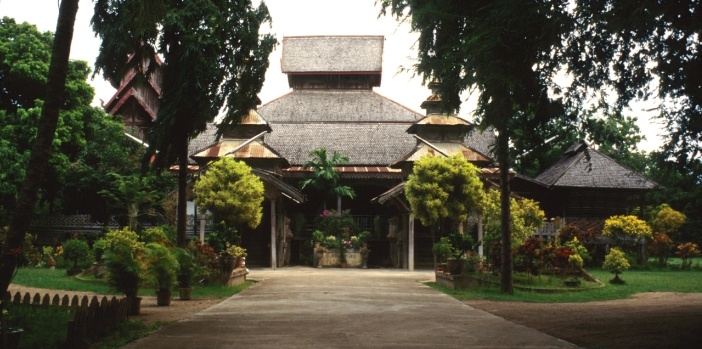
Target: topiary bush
pixel 616 263
pixel 75 250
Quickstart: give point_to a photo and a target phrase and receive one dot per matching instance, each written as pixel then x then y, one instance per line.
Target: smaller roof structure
pixel 441 120
pixel 582 167
pixel 445 149
pixel 327 54
pixel 286 189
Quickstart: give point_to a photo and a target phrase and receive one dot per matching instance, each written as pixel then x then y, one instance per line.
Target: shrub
pixel 123 253
pixel 686 251
pixel 626 226
pixel 616 263
pixel 161 266
pixel 187 266
pixel 442 249
pixel 75 250
pixel 661 247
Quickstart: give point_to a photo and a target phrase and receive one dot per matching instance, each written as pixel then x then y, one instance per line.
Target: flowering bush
pixel 686 251
pixel 626 226
pixel 338 224
pixel 661 247
pixel 616 263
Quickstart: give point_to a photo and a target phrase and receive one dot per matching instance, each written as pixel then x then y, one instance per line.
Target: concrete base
pixel 331 259
pixel 238 276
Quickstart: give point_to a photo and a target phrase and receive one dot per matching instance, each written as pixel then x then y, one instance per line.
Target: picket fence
pixel 92 319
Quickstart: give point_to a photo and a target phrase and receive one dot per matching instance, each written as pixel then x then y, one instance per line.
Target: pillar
pixel 410 253
pixel 274 261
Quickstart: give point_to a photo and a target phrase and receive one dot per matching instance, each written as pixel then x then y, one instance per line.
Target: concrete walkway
pixel 302 307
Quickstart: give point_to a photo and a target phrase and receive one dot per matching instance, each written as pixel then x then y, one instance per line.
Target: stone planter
pixel 163 298
pixel 330 259
pixel 185 293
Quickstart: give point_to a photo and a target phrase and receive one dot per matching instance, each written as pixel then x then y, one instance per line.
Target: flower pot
pixel 185 293
pixel 455 266
pixel 163 298
pixel 344 264
pixel 240 262
pixel 134 305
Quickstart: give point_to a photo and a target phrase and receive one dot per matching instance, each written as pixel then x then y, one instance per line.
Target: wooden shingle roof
pixel 370 144
pixel 583 167
pixel 327 54
pixel 309 106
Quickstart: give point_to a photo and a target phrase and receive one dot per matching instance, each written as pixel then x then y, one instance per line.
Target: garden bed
pixel 542 284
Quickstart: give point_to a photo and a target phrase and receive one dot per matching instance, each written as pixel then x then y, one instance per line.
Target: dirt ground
pixel 648 320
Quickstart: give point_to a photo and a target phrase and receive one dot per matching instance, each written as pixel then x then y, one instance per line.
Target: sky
pixel 295 18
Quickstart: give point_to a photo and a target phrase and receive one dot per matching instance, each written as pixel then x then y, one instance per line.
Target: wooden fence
pixel 93 317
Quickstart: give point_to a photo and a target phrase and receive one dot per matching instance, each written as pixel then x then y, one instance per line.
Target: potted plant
pixel 161 267
pixel 460 245
pixel 186 270
pixel 442 250
pixel 365 251
pixel 75 250
pixel 237 252
pixel 122 256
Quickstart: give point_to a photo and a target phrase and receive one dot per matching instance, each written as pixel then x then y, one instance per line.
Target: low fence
pixel 93 317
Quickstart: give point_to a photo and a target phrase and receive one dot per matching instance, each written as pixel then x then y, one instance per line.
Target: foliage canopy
pixel 231 193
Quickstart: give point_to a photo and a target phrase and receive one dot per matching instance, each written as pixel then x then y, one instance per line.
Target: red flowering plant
pixel 527 256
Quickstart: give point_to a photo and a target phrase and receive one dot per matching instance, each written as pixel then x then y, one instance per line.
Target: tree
pixel 213 59
pixel 623 227
pixel 24 62
pixel 231 193
pixel 325 176
pixel 443 188
pixel 526 218
pixel 42 145
pixel 616 263
pixel 133 194
pixel 506 50
pixel 630 49
pixel 667 220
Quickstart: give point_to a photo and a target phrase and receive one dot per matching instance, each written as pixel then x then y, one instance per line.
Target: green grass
pixel 636 281
pixel 57 279
pixel 33 318
pixel 44 327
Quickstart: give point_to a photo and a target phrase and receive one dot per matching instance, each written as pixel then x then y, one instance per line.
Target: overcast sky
pixel 290 18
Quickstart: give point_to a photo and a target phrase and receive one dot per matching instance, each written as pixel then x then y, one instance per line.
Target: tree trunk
pixel 506 281
pixel 182 207
pixel 42 146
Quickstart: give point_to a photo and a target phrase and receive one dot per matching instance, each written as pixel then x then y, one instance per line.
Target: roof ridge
pixel 574 160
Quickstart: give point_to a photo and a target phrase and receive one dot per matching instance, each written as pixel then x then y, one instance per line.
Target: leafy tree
pixel 213 59
pixel 686 251
pixel 443 188
pixel 624 227
pixel 133 194
pixel 616 263
pixel 24 64
pixel 75 250
pixel 507 51
pixel 231 193
pixel 668 220
pixel 526 218
pixel 631 49
pixel 325 176
pixel 42 145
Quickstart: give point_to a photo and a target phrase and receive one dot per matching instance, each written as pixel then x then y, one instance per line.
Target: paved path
pixel 300 307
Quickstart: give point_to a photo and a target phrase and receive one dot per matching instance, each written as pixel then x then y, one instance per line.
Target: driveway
pixel 302 307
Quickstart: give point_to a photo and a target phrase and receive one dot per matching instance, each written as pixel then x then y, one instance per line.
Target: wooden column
pixel 480 234
pixel 274 253
pixel 410 252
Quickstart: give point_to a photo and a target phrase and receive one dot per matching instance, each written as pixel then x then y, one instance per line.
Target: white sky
pixel 290 18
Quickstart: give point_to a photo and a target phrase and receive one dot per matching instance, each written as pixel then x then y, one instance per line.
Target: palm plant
pixel 325 176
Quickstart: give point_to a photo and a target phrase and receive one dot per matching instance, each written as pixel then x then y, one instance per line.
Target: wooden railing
pixel 92 319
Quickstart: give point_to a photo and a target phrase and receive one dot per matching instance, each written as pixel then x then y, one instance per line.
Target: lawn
pixel 57 279
pixel 38 335
pixel 669 279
